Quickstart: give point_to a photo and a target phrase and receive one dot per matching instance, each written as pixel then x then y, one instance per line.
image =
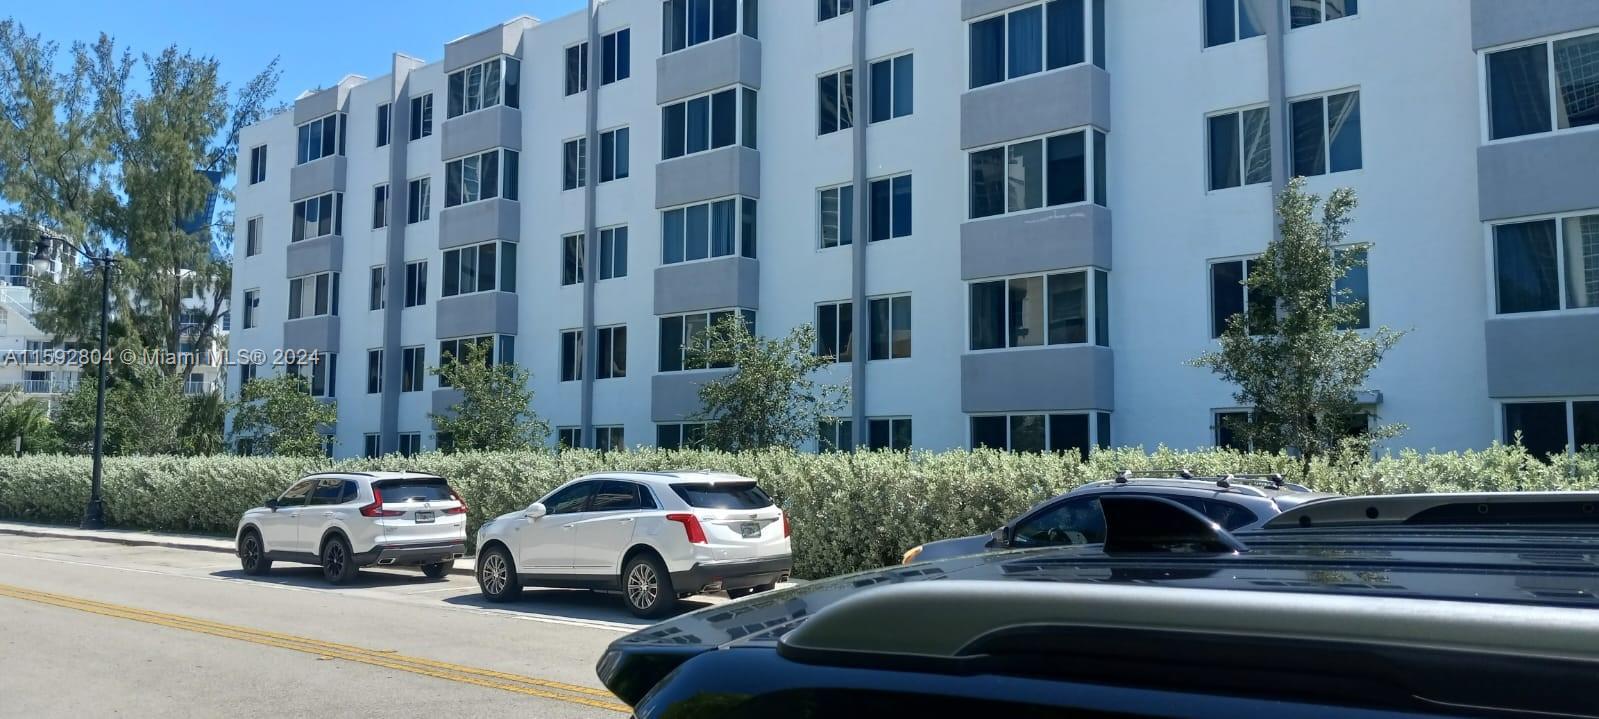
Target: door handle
pixel 568 526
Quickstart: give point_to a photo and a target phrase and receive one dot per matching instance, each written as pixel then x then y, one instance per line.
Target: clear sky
pixel 317 41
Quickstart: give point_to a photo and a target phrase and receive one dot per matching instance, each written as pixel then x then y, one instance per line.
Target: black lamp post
pixel 94 512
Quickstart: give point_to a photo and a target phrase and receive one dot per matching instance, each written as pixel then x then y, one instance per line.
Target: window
pixel 1547 265
pixel 380 206
pixel 486 84
pixel 835 331
pixel 1302 13
pixel 252 305
pixel 888 433
pixel 1229 20
pixel 1047 171
pixel 568 437
pixel 615 56
pixel 574 164
pixel 681 332
pixel 609 439
pixel 613 154
pixel 297 495
pixel 252 237
pixel 413 369
pixel 319 138
pixel 319 217
pixel 1042 432
pixel 498 349
pixel 1240 148
pixel 613 252
pixel 893 88
pixel 383 124
pixel 410 444
pixel 686 23
pixel 374 371
pixel 258 167
pixel 1556 427
pixel 685 435
pixel 838 215
pixel 370 446
pixel 835 101
pixel 422 116
pixel 711 229
pixel 829 9
pixel 1074 521
pixel 1028 40
pixel 314 295
pixel 480 268
pixel 706 122
pixel 611 359
pixel 1325 136
pixel 416 283
pixel 1227 423
pixel 378 289
pixel 320 373
pixel 577 68
pixel 890 211
pixel 1523 101
pixel 572 254
pixel 835 435
pixel 478 177
pixel 419 196
pixel 890 321
pixel 1040 309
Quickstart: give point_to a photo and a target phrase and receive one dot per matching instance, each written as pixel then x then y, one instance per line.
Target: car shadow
pixel 579 604
pixel 311 577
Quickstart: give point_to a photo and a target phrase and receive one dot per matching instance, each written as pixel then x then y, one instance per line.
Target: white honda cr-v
pixel 653 536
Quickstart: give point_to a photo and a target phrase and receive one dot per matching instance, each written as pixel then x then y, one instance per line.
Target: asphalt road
pixel 94 629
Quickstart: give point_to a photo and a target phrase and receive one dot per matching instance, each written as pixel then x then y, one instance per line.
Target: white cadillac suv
pixel 653 536
pixel 347 520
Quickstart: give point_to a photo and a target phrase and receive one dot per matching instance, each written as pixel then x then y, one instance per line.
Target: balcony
pixel 1543 355
pixel 723 172
pixel 1036 105
pixel 42 386
pixel 707 285
pixel 731 60
pixel 318 177
pixel 1039 379
pixel 675 396
pixel 483 221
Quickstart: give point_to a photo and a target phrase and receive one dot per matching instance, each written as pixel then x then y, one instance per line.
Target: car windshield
pixel 415 490
pixel 744 495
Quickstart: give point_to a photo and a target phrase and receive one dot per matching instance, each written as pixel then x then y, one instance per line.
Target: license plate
pixel 750 529
pixel 424 517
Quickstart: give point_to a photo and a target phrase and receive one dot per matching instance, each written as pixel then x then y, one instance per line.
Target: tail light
pixel 375 509
pixel 456 510
pixel 691 526
pixel 787 531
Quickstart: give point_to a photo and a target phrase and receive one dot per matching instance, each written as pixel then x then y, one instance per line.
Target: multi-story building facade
pixel 1013 221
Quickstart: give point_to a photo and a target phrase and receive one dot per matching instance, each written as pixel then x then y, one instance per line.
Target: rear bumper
pixel 411 555
pixel 712 576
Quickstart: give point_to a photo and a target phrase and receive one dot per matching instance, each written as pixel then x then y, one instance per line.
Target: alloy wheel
pixel 251 552
pixel 333 560
pixel 493 574
pixel 642 586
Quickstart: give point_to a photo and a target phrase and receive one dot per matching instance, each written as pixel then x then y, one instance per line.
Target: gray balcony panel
pixel 475 48
pixel 323 102
pixel 1077 236
pixel 1543 356
pixel 722 172
pixel 317 177
pixel 1046 379
pixel 319 254
pixel 320 334
pixel 735 59
pixel 1496 22
pixel 978 8
pixel 1555 173
pixel 707 285
pixel 1035 105
pixel 444 399
pixel 498 126
pixel 481 313
pixel 675 396
pixel 496 219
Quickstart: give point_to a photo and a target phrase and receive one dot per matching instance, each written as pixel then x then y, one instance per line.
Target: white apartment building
pixel 1014 221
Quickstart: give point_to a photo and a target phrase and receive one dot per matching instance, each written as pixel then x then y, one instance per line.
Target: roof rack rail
pixel 1461 509
pixel 1275 479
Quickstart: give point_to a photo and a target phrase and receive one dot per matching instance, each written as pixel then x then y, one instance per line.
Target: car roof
pixel 373 476
pixel 702 476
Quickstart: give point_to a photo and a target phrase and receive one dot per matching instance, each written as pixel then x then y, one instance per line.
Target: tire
pixel 437 570
pixel 496 575
pixel 647 588
pixel 252 556
pixel 338 562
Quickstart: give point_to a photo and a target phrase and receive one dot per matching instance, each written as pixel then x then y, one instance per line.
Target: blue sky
pixel 318 41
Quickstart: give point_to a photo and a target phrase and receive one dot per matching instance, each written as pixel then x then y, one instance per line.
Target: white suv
pixel 347 520
pixel 654 536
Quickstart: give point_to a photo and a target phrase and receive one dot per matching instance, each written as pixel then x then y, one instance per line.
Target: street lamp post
pixel 94 512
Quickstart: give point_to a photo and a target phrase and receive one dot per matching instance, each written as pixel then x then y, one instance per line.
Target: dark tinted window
pixel 415 490
pixel 1230 516
pixel 1518 92
pixel 297 494
pixel 614 496
pixel 570 500
pixel 723 496
pixel 330 491
pixel 1076 521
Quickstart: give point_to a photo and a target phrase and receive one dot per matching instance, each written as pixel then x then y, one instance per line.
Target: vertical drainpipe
pixel 1277 95
pixel 394 257
pixel 591 239
pixel 857 365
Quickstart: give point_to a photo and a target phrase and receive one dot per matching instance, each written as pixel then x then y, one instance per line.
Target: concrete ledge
pixel 1053 239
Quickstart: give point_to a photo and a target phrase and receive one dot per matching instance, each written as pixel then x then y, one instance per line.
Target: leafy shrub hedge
pixel 849 511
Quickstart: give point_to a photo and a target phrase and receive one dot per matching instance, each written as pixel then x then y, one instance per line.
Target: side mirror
pixel 536 510
pixel 271 503
pixel 1002 537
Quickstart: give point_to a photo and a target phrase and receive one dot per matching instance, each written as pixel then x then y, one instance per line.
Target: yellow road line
pixel 530 686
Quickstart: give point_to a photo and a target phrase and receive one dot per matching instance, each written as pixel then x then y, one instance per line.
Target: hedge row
pixel 849 511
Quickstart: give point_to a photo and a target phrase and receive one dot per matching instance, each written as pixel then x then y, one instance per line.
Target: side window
pixel 327 491
pixel 570 500
pixel 646 498
pixel 297 494
pixel 1229 516
pixel 615 496
pixel 347 494
pixel 1076 521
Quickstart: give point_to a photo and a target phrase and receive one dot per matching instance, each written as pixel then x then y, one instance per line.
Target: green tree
pixel 768 399
pixel 26 418
pixel 145 412
pixel 1295 356
pixel 495 413
pixel 278 416
pixel 202 424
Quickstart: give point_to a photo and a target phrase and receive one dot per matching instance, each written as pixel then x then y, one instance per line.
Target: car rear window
pixel 415 490
pixel 723 496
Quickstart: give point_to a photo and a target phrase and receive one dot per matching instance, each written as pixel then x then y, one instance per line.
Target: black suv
pixel 1438 605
